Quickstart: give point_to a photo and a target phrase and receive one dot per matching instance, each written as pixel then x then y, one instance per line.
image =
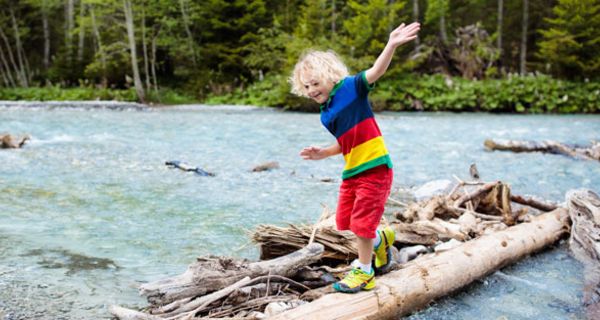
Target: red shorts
pixel 362 199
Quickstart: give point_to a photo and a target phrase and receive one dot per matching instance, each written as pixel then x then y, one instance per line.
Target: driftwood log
pixel 266 166
pixel 584 210
pixel 214 273
pixel 435 275
pixel 591 152
pixel 8 141
pixel 276 241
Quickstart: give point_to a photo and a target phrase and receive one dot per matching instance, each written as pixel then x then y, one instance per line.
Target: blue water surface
pixel 88 209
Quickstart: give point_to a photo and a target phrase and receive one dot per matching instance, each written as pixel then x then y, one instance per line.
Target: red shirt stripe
pixel 360 133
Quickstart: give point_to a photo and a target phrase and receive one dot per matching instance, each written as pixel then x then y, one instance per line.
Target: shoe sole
pixel 353 290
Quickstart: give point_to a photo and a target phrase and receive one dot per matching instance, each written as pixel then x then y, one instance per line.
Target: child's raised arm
pixel 398 37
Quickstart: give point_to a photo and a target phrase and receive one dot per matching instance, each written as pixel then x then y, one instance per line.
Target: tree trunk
pixel 436 275
pixel 81 43
pixel 153 63
pixel 211 274
pixel 69 23
pixel 186 24
pixel 523 56
pixel 6 68
pixel 499 27
pixel 333 17
pixel 100 46
pixel 4 77
pixel 145 49
pixel 443 32
pixel 19 48
pixel 137 81
pixel 416 18
pixel 11 57
pixel 46 59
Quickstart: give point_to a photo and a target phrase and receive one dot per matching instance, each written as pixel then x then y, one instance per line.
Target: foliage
pixel 520 94
pixel 367 30
pixel 55 93
pixel 242 51
pixel 571 42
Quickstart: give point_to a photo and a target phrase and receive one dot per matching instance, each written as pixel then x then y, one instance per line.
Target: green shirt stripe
pixel 368 165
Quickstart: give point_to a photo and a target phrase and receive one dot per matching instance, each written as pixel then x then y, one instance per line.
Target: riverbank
pixel 514 94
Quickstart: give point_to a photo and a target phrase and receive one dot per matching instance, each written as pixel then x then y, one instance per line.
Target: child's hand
pixel 404 34
pixel 313 153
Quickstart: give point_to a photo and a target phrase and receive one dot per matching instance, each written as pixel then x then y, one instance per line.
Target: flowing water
pixel 88 209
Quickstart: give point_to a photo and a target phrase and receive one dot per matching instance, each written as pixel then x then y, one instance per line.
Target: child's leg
pixel 365 249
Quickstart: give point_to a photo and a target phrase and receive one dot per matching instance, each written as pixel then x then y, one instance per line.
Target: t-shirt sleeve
pixel 362 85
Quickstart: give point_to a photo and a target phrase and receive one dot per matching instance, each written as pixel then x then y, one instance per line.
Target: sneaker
pixel 383 252
pixel 355 281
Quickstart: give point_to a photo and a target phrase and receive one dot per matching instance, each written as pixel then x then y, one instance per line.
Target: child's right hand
pixel 403 34
pixel 313 153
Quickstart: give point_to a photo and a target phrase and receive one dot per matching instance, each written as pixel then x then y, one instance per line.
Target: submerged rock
pixel 73 262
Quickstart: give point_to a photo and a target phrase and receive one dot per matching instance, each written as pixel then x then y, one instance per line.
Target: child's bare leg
pixel 365 249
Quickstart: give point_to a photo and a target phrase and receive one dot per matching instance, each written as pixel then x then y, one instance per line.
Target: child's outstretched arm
pixel 318 153
pixel 398 37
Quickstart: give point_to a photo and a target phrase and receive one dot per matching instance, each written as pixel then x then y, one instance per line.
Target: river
pixel 88 209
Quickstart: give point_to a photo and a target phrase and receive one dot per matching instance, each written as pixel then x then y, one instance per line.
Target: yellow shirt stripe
pixel 365 152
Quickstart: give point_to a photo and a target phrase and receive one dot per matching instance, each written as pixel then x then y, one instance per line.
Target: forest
pixel 529 56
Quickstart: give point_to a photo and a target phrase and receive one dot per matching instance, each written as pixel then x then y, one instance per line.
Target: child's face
pixel 318 90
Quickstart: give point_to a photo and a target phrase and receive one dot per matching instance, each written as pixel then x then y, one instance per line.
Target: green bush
pixel 514 94
pixel 54 93
pixel 528 94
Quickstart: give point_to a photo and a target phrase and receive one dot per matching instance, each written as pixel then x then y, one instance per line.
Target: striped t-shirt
pixel 348 116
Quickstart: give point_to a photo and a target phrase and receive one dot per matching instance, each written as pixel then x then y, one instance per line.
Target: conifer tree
pixel 571 43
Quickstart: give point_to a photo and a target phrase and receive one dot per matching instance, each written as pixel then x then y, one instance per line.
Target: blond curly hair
pixel 319 65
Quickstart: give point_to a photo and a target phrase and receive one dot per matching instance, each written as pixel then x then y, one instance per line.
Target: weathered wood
pixel 584 210
pixel 213 273
pixel 534 203
pixel 591 152
pixel 128 314
pixel 435 275
pixel 275 241
pixel 8 141
pixel 266 166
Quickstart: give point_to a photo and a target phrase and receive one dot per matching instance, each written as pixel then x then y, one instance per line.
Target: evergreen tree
pixel 368 29
pixel 572 42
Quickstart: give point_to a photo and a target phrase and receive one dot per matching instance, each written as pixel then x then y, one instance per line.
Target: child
pixel 367 175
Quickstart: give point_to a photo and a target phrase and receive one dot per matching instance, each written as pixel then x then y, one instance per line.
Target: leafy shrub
pixel 64 94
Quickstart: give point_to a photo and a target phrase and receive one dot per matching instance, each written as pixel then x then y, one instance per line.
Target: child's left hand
pixel 313 153
pixel 404 34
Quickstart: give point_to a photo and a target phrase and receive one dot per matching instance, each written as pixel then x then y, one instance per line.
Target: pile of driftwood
pixel 8 141
pixel 476 226
pixel 584 210
pixel 591 152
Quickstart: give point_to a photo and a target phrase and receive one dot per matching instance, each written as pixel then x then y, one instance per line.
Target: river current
pixel 88 209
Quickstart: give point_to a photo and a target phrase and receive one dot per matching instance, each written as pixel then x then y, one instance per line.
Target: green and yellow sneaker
pixel 383 252
pixel 355 281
